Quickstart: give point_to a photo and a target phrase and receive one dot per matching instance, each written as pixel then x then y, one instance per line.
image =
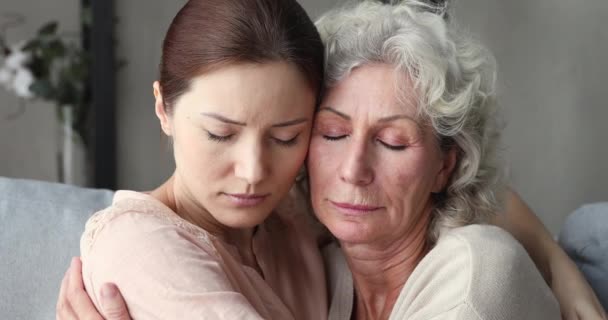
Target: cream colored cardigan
pixel 476 272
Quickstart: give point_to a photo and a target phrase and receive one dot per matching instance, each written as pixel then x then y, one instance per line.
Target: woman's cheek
pixel 315 152
pixel 318 147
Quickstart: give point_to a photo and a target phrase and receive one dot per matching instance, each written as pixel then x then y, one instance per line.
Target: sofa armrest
pixel 40 228
pixel 584 236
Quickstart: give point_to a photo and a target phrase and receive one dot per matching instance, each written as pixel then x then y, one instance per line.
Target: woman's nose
pixel 250 164
pixel 356 167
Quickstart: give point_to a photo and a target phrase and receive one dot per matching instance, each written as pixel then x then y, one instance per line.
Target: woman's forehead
pixel 375 88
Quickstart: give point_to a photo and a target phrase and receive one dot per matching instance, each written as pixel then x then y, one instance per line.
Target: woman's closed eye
pixel 217 137
pixel 287 142
pixel 333 134
pixel 392 147
pixel 225 138
pixel 334 137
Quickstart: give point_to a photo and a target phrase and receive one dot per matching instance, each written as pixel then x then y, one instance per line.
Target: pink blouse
pixel 168 268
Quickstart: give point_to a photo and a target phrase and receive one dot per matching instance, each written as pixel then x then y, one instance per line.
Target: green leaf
pixel 42 88
pixel 48 29
pixel 38 68
pixel 31 45
pixel 56 48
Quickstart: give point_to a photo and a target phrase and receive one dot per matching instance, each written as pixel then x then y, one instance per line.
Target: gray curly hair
pixel 455 81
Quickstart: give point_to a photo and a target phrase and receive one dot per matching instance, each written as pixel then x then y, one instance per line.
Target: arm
pixel 74 303
pixel 576 298
pixel 162 270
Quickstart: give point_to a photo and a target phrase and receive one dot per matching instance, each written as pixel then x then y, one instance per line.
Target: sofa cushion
pixel 40 228
pixel 584 236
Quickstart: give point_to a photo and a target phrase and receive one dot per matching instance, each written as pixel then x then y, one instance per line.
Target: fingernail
pixel 108 291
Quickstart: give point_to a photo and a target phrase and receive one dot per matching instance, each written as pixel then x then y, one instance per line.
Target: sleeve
pixel 162 271
pixel 505 283
pixel 476 272
pixel 462 311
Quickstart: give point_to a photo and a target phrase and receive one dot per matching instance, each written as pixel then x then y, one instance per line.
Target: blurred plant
pixel 49 67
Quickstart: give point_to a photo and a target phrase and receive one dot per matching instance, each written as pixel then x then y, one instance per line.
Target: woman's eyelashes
pixel 281 142
pixel 335 136
pixel 392 147
pixel 332 133
pixel 288 142
pixel 218 138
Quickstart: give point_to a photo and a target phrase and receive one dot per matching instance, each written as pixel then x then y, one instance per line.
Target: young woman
pixel 239 82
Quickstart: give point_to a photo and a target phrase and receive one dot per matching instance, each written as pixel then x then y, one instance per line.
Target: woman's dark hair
pixel 206 34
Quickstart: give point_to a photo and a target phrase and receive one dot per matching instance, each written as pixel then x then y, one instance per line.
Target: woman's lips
pixel 246 200
pixel 354 209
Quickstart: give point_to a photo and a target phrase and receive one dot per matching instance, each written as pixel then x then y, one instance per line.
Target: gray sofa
pixel 40 227
pixel 584 236
pixel 41 223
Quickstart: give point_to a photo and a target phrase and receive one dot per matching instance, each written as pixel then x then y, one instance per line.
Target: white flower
pixel 6 77
pixel 17 58
pixel 23 80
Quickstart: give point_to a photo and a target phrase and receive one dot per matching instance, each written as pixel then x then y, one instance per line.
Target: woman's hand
pixel 74 302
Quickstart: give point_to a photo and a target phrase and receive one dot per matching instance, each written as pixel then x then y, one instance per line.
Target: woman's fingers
pixel 74 303
pixel 63 311
pixel 113 304
pixel 77 298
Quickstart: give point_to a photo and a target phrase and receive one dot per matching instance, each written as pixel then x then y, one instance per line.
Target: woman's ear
pixel 159 108
pixel 448 164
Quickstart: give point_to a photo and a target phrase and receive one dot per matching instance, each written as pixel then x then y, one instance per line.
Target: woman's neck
pixel 380 270
pixel 177 197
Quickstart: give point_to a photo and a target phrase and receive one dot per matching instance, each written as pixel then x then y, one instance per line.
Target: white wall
pixel 552 70
pixel 28 143
pixel 144 160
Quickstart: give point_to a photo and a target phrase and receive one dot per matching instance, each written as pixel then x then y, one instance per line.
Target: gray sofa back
pixel 40 226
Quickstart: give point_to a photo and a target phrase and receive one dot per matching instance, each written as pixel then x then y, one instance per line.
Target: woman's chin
pixel 243 218
pixel 349 231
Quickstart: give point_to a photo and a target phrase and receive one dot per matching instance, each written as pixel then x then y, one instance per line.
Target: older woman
pixel 403 173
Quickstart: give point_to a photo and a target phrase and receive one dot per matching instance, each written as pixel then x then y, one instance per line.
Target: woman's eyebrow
pixel 330 109
pixel 222 118
pixel 396 117
pixel 230 121
pixel 290 123
pixel 401 116
pixel 385 119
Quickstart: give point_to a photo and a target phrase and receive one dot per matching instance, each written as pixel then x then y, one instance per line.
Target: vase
pixel 72 162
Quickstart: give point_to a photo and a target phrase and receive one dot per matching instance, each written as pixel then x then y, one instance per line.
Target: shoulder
pixel 502 280
pixel 484 247
pixel 478 269
pixel 160 262
pixel 489 249
pixel 134 221
pixel 483 244
pixel 465 250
